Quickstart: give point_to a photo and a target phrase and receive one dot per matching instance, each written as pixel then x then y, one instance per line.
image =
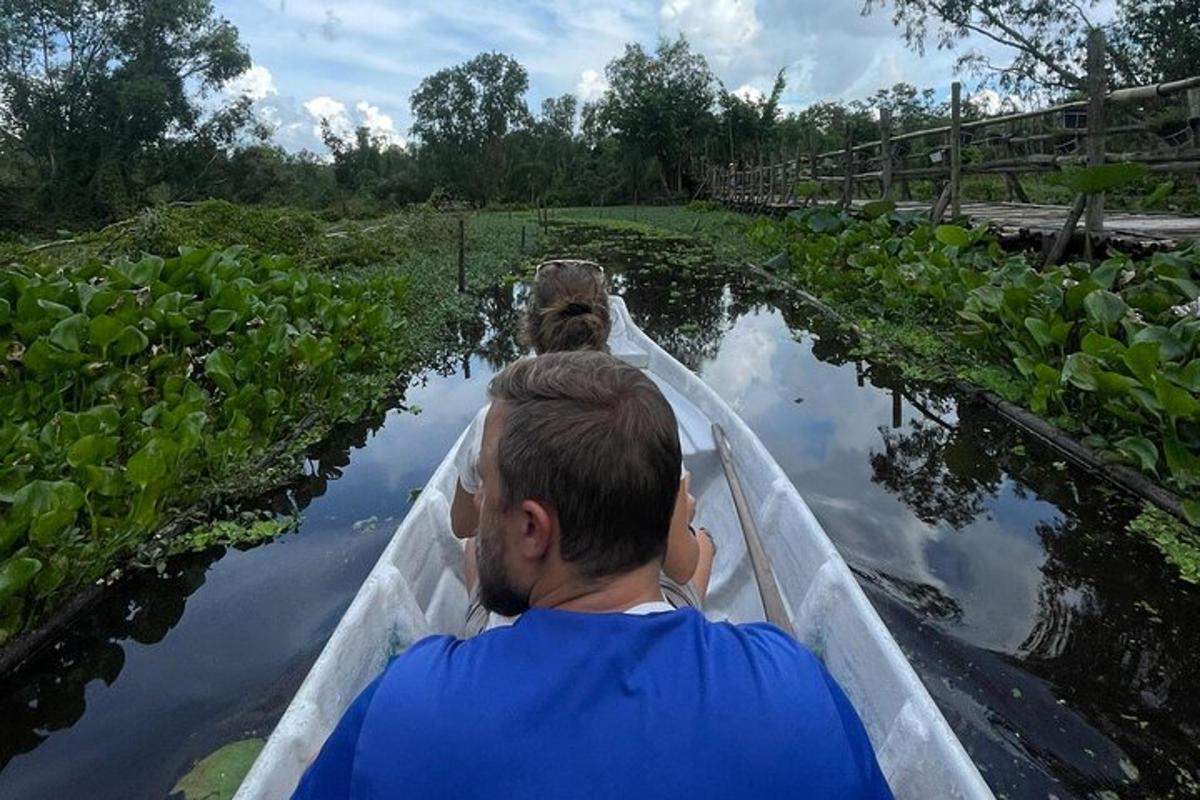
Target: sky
pixel 355 62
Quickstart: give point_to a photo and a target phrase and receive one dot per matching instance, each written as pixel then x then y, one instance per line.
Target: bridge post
pixel 1193 104
pixel 885 150
pixel 812 156
pixel 955 149
pixel 848 190
pixel 770 199
pixel 1097 87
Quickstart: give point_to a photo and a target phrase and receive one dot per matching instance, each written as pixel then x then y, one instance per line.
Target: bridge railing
pixel 1156 125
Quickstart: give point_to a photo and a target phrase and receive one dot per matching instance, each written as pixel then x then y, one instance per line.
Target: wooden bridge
pixel 1156 126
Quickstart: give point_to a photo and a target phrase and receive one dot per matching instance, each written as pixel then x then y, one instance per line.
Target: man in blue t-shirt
pixel 599 690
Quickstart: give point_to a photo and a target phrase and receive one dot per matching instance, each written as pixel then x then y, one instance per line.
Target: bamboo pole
pixel 774 609
pixel 956 149
pixel 1097 84
pixel 885 151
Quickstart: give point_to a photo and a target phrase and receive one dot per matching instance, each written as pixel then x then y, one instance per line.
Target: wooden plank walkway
pixel 1014 218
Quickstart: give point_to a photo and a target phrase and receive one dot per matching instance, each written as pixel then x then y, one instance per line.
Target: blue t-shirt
pixel 568 705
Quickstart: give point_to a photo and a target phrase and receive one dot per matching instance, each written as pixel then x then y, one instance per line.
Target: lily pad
pixel 218 776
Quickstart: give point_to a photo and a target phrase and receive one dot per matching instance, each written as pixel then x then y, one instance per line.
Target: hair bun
pixel 576 309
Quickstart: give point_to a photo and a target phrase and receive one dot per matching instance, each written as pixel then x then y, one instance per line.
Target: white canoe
pixel 416 589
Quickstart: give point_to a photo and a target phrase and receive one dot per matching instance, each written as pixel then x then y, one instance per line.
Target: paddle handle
pixel 760 563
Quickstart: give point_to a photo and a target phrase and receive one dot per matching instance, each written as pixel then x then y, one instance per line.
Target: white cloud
pixel 750 93
pixel 718 28
pixel 326 109
pixel 992 102
pixel 255 83
pixel 344 122
pixel 592 85
pixel 379 123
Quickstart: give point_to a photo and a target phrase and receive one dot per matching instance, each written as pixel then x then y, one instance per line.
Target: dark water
pixel 1061 649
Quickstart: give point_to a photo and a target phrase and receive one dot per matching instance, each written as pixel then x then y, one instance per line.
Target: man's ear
pixel 539 530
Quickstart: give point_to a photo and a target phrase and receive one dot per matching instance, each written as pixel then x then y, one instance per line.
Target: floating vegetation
pixel 132 388
pixel 1178 543
pixel 217 776
pixel 243 533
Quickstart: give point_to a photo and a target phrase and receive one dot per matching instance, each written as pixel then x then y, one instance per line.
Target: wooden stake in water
pixel 462 267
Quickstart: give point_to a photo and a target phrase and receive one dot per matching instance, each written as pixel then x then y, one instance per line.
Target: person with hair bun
pixel 567 310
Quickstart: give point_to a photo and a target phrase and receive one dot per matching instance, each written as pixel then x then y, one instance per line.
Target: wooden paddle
pixel 764 576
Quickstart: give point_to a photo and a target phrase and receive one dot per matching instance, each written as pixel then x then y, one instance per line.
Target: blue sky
pixel 357 61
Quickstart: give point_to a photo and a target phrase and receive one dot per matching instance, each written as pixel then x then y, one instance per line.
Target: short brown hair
pixel 567 308
pixel 595 439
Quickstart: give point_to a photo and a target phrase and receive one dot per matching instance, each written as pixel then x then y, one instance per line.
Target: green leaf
pixel 148 464
pixel 40 358
pixel 67 334
pixel 1112 384
pixel 104 330
pixel 1185 468
pixel 953 235
pixel 1078 292
pixel 5 311
pixel 221 320
pixel 1103 347
pixel 1191 512
pixel 54 310
pixel 1060 331
pixel 1141 451
pixel 1188 288
pixel 1170 346
pixel 219 367
pixel 1080 371
pixel 1104 307
pixel 218 776
pixel 1142 360
pixel 106 481
pixel 92 450
pixel 1039 330
pixel 15 575
pixel 1178 403
pixel 1105 274
pixel 824 221
pixel 130 342
pixel 877 208
pixel 48 506
pixel 146 271
pixel 1104 177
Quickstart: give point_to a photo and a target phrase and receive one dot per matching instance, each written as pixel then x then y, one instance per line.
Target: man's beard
pixel 496 591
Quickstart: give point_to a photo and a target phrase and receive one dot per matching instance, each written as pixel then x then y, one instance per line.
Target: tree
pixel 1156 40
pixel 91 88
pixel 1047 37
pixel 462 114
pixel 747 124
pixel 657 103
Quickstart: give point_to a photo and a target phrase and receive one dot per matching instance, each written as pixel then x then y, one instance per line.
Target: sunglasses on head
pixel 563 262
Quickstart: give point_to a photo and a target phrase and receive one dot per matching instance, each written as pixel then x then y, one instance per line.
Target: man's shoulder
pixel 763 640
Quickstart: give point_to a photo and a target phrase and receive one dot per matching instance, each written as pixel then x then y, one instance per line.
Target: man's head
pixel 580 466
